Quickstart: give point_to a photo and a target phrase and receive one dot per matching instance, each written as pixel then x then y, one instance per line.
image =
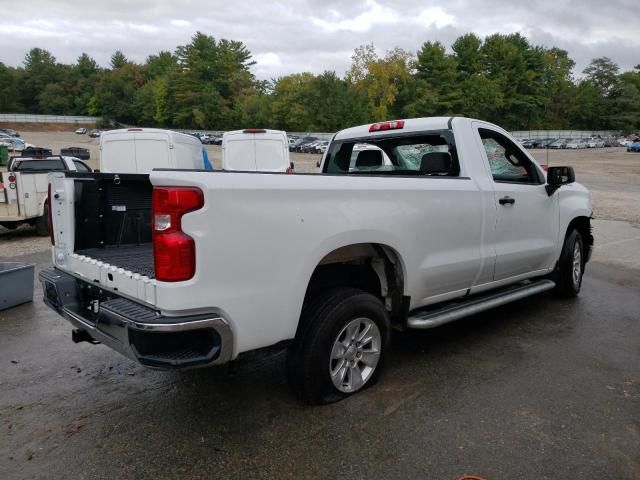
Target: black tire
pixel 567 285
pixel 309 359
pixel 42 222
pixel 10 225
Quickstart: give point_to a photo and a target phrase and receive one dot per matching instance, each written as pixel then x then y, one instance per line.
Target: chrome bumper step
pixel 422 319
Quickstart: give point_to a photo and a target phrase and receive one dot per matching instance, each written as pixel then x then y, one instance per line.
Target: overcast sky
pixel 312 35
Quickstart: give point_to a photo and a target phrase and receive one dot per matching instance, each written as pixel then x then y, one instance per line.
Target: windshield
pixel 406 155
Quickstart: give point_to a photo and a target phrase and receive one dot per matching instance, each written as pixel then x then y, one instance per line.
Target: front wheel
pixel 568 276
pixel 340 347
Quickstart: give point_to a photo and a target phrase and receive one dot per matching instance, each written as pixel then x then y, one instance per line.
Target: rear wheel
pixel 10 225
pixel 340 348
pixel 568 277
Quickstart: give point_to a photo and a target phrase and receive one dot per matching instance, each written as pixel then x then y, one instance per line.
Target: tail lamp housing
pixel 383 126
pixel 174 252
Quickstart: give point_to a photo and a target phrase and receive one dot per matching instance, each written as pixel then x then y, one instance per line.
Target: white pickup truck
pixel 23 189
pixel 444 218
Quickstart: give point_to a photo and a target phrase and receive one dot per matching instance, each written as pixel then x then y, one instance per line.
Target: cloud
pixel 289 36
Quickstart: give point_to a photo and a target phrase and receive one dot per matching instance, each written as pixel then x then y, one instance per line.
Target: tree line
pixel 208 84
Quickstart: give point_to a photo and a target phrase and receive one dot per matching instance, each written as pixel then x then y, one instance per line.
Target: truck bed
pixel 135 258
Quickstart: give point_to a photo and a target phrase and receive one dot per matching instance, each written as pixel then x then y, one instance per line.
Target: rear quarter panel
pixel 260 236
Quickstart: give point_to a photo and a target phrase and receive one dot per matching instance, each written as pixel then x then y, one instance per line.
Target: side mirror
pixel 558 176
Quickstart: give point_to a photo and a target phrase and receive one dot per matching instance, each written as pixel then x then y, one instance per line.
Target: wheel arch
pixel 583 225
pixel 373 267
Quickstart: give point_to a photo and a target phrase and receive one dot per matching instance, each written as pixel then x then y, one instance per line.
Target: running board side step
pixel 449 313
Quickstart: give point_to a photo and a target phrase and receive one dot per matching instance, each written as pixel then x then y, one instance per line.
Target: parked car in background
pixel 560 143
pixel 36 152
pixel 95 133
pixel 77 152
pixel 633 147
pixel 14 143
pixel 544 143
pixel 320 146
pixel 302 141
pixel 81 131
pixel 212 140
pixel 580 142
pixel 10 132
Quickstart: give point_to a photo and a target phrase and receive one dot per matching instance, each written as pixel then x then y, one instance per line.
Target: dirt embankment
pixel 45 127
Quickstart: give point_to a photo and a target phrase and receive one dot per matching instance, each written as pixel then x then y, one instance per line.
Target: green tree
pixel 40 69
pixel 436 88
pixel 115 92
pixel 159 65
pixel 9 101
pixel 118 60
pixel 603 73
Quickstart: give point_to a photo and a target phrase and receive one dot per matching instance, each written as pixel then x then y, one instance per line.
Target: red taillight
pixel 174 252
pixel 254 130
pixel 392 125
pixel 12 179
pixel 545 167
pixel 134 129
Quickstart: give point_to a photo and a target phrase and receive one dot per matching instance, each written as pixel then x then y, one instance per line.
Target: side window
pixel 81 167
pixel 507 162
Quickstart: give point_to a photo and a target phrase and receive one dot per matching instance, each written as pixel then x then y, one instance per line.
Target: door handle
pixel 507 201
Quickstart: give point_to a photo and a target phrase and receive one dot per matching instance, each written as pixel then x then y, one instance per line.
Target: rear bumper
pixel 135 330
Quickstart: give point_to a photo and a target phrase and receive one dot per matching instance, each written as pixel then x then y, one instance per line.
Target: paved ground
pixel 543 388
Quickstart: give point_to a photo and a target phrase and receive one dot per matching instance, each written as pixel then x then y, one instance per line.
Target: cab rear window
pixel 416 154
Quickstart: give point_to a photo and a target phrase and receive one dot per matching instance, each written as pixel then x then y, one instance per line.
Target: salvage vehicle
pixel 78 152
pixel 184 268
pixel 633 147
pixel 10 132
pixel 15 144
pixel 23 190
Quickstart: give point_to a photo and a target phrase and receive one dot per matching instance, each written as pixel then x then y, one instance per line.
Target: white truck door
pixel 117 153
pixel 239 152
pixel 28 194
pixel 527 220
pixel 152 151
pixel 272 152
